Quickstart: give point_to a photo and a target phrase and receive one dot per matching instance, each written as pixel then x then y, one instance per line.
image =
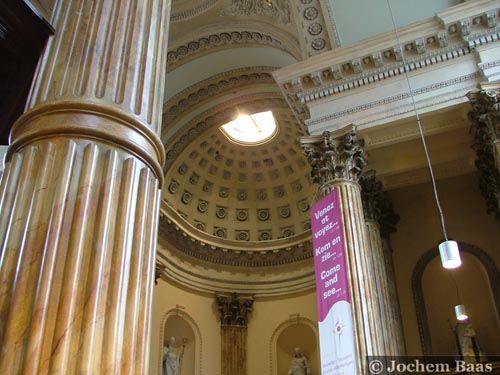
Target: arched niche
pixel 476 284
pixel 295 332
pixel 180 325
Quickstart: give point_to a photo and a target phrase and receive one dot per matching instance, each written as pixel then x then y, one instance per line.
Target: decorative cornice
pixel 377 205
pixel 234 310
pixel 189 51
pixel 383 114
pixel 236 257
pixel 333 158
pixel 485 120
pixel 377 59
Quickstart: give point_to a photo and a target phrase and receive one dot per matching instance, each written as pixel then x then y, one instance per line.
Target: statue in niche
pixel 172 358
pixel 468 346
pixel 299 364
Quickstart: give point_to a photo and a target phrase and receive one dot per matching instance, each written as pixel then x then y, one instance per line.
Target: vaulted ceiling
pixel 230 211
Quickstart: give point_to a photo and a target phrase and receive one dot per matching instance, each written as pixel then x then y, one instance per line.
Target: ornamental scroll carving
pixel 377 205
pixel 335 158
pixel 485 121
pixel 234 310
pixel 278 10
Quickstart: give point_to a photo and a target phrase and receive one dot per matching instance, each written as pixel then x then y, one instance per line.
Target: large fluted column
pixel 380 222
pixel 79 199
pixel 337 160
pixel 485 121
pixel 234 312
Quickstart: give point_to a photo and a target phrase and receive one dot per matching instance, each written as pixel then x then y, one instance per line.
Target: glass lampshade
pixel 461 313
pixel 450 256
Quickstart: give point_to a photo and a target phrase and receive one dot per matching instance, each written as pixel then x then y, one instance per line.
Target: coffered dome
pixel 246 200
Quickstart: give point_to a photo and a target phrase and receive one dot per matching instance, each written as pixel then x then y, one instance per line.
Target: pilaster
pixel 234 312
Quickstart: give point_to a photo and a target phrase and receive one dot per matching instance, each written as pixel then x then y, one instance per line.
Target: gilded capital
pixel 234 310
pixel 335 157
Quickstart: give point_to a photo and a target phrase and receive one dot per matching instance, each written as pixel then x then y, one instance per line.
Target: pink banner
pixel 334 304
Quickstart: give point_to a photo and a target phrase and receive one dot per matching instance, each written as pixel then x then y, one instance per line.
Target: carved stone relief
pixel 277 10
pixel 234 310
pixel 340 158
pixel 485 121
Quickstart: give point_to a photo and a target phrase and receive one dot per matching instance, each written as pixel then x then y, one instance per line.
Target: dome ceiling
pixel 227 209
pixel 244 200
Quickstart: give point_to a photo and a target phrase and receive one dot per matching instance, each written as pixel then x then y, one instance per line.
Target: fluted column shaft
pixel 381 220
pixel 234 350
pixel 337 161
pixel 362 286
pixel 79 198
pixel 234 311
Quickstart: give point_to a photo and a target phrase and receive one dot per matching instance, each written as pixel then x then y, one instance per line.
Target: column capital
pixel 485 111
pixel 234 309
pixel 335 155
pixel 377 206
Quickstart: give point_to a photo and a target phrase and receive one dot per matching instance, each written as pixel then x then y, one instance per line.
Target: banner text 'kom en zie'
pixel 336 331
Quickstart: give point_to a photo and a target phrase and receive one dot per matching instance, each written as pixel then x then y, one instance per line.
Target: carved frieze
pixel 277 10
pixel 186 51
pixel 448 36
pixel 311 23
pixel 190 246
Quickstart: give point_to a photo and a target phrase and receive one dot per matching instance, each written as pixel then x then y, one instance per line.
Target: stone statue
pixel 299 365
pixel 468 345
pixel 171 358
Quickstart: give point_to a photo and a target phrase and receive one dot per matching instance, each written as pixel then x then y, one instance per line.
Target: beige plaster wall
pixel 199 309
pixel 269 318
pixel 267 321
pixel 419 230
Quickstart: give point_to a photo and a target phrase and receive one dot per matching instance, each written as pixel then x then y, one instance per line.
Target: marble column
pixel 381 221
pixel 234 312
pixel 337 160
pixel 485 121
pixel 79 198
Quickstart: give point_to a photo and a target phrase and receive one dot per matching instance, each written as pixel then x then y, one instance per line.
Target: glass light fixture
pixel 450 255
pixel 461 313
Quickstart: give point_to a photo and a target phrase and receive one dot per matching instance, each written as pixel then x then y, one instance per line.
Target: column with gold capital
pixel 337 160
pixel 485 121
pixel 234 311
pixel 79 197
pixel 381 221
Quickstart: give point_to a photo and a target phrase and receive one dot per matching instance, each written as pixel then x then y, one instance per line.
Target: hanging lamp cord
pixel 429 164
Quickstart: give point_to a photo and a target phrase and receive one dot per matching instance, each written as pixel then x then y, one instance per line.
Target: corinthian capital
pixel 234 309
pixel 377 205
pixel 335 157
pixel 485 113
